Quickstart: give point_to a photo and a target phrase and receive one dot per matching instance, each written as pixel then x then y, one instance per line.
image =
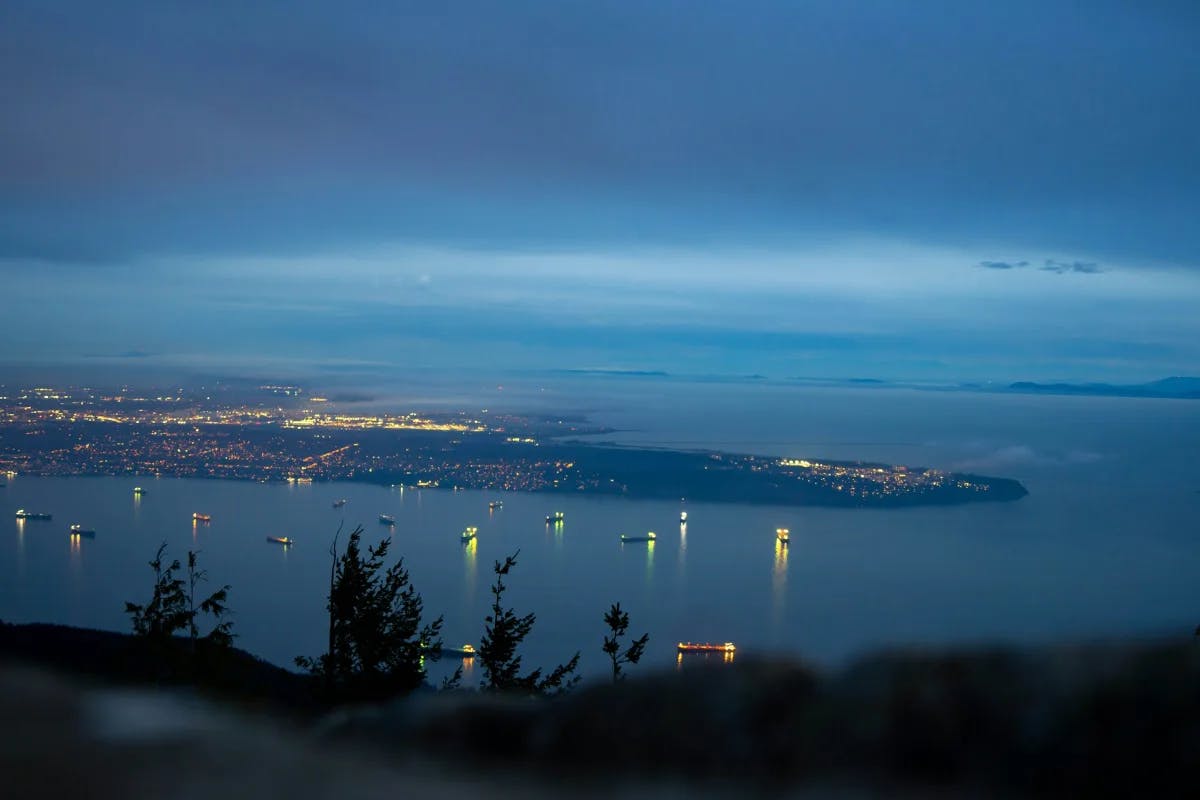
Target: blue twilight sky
pixel 918 190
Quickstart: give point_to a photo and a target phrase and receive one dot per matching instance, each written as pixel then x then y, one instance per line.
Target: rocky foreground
pixel 1098 720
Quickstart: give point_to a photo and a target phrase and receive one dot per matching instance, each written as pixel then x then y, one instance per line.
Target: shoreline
pixel 1012 490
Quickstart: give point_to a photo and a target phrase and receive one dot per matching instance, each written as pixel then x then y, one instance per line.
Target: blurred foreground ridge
pixel 1118 719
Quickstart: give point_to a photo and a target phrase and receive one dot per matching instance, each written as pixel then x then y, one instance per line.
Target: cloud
pixel 1023 455
pixel 1061 267
pixel 140 128
pixel 124 354
pixel 1049 265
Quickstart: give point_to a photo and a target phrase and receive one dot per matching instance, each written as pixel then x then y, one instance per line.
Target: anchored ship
pixel 706 647
pixel 339 503
pixel 554 519
pixel 649 537
pixel 469 533
pixel 783 534
pixel 79 530
pixel 23 514
pixel 492 506
pixel 283 540
pixel 198 517
pixel 387 519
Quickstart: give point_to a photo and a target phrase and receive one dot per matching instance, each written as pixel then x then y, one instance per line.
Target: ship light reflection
pixel 470 550
pixel 779 580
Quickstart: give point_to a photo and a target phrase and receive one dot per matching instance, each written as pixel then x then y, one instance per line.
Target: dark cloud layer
pixel 1062 267
pixel 134 128
pixel 1049 265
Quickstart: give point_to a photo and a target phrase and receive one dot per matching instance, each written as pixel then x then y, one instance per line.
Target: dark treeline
pixel 380 637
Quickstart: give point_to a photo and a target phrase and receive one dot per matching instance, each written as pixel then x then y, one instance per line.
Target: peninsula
pixel 285 435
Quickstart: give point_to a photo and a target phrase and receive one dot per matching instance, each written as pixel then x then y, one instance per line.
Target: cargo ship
pixel 283 540
pixel 554 519
pixel 79 530
pixel 339 503
pixel 706 647
pixel 387 519
pixel 469 533
pixel 138 490
pixel 683 518
pixel 466 651
pixel 198 517
pixel 783 534
pixel 492 506
pixel 649 537
pixel 23 514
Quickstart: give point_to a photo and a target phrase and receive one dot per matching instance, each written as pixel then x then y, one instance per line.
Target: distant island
pixel 1179 388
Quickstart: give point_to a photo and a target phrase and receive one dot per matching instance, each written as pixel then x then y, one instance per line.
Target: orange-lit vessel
pixel 198 517
pixel 706 647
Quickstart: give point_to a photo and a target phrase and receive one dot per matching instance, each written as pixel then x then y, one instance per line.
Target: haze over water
pixel 1103 545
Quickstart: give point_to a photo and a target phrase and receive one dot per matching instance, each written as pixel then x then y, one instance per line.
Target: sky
pixel 937 191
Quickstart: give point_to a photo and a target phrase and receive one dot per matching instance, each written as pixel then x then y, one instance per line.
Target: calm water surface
pixel 1106 543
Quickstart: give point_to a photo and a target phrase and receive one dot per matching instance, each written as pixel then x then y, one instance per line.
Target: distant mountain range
pixel 1177 387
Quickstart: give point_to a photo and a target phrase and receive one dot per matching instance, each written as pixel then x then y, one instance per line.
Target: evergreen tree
pixel 377 642
pixel 502 635
pixel 172 608
pixel 215 605
pixel 618 624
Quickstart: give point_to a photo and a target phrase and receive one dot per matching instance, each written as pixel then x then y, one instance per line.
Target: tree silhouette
pixel 173 609
pixel 215 605
pixel 377 642
pixel 618 624
pixel 502 635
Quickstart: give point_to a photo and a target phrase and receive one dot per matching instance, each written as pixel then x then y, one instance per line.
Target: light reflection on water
pixel 682 544
pixel 470 559
pixel 650 562
pixel 779 581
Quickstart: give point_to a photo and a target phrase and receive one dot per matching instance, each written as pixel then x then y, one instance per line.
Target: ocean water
pixel 1106 544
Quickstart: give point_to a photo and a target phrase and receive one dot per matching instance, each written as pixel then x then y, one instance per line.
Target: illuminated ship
pixel 495 504
pixel 649 537
pixel 283 540
pixel 469 533
pixel 339 503
pixel 694 647
pixel 198 517
pixel 783 534
pixel 683 518
pixel 138 490
pixel 554 519
pixel 23 514
pixel 387 519
pixel 466 651
pixel 79 530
